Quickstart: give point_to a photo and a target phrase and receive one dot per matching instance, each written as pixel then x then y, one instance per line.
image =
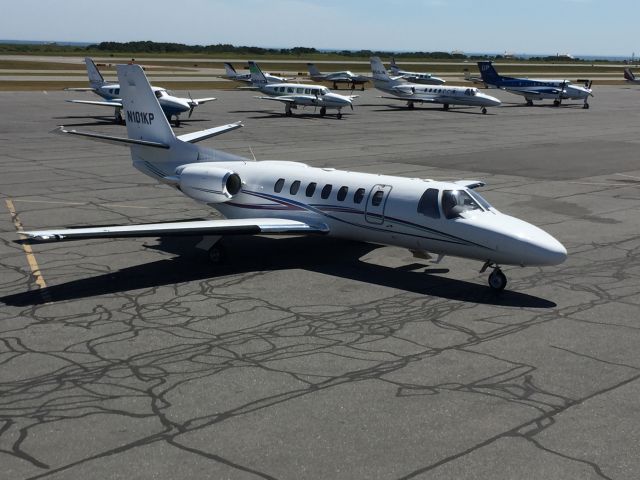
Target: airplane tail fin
pixel 467 75
pixel 393 66
pixel 488 73
pixel 231 72
pixel 144 116
pixel 313 70
pixel 378 70
pixel 257 77
pixel 95 77
pixel 628 74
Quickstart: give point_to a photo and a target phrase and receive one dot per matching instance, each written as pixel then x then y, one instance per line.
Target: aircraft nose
pixel 537 247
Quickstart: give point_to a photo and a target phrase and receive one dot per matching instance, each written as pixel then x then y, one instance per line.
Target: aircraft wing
pixel 97 102
pixel 540 91
pixel 200 101
pixel 283 99
pixel 411 99
pixel 248 226
pixel 210 132
pixel 78 89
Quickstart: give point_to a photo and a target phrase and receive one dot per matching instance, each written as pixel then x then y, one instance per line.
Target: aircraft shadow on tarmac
pixel 328 256
pixel 108 120
pixel 420 108
pixel 308 114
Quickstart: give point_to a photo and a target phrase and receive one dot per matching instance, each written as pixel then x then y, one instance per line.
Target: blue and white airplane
pixel 172 106
pixel 535 89
pixel 284 197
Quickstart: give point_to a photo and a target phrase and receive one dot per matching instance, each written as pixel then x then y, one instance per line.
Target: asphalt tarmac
pixel 313 357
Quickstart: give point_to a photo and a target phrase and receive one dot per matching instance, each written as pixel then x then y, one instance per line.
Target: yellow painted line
pixel 31 258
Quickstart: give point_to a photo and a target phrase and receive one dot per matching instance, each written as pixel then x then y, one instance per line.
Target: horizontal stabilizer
pixel 250 226
pixel 122 141
pixel 211 132
pixel 114 103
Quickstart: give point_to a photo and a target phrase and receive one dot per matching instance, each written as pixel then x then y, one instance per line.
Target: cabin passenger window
pixel 456 202
pixel 428 204
pixel 326 191
pixel 117 91
pixel 311 188
pixel 281 89
pixel 307 91
pixel 342 193
pixel 295 186
pixel 299 90
pixel 358 196
pixel 377 198
pixel 278 186
pixel 289 89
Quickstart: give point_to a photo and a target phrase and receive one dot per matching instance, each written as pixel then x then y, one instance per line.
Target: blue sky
pixel 540 26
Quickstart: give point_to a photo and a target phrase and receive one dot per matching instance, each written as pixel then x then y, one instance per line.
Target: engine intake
pixel 208 183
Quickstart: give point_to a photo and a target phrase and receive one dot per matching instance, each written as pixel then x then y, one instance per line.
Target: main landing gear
pixel 484 110
pixel 497 280
pixel 215 251
pixel 323 111
pixel 529 102
pixel 445 106
pixel 119 119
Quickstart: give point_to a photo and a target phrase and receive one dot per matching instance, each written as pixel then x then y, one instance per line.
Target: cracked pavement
pixel 314 357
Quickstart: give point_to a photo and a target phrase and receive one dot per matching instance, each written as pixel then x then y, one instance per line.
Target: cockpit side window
pixel 158 93
pixel 456 202
pixel 480 199
pixel 428 204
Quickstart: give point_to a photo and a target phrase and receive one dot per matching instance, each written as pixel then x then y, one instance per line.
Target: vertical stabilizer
pixel 95 77
pixel 489 74
pixel 313 70
pixel 628 75
pixel 379 72
pixel 144 116
pixel 231 72
pixel 393 66
pixel 257 77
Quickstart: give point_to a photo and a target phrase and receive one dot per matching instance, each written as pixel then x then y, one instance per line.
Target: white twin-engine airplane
pixel 172 106
pixel 281 197
pixel 415 77
pixel 295 94
pixel 413 93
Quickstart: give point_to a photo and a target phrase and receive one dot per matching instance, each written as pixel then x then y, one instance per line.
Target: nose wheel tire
pixel 497 280
pixel 323 111
pixel 586 106
pixel 484 111
pixel 339 115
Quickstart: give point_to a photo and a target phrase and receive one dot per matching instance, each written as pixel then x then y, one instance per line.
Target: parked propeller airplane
pixel 414 77
pixel 630 77
pixel 246 77
pixel 414 93
pixel 535 89
pixel 299 94
pixel 344 76
pixel 172 106
pixel 282 197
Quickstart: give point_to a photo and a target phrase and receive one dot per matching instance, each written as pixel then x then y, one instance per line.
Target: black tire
pixel 339 115
pixel 556 103
pixel 586 106
pixel 217 255
pixel 445 106
pixel 497 280
pixel 484 111
pixel 410 106
pixel 177 122
pixel 529 103
pixel 323 111
pixel 288 113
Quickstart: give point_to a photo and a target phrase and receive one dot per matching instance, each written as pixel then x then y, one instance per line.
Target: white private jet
pixel 344 76
pixel 535 89
pixel 413 93
pixel 231 74
pixel 630 77
pixel 172 106
pixel 283 197
pixel 414 77
pixel 299 94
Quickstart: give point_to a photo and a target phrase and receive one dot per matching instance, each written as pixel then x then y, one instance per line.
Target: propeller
pixel 193 104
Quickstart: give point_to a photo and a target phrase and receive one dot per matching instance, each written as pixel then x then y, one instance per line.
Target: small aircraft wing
pixel 210 132
pixel 78 89
pixel 114 103
pixel 279 99
pixel 409 98
pixel 248 226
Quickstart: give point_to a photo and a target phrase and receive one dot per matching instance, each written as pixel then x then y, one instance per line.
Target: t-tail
pixel 313 70
pixel 379 72
pixel 95 77
pixel 257 77
pixel 628 75
pixel 231 72
pixel 394 67
pixel 489 74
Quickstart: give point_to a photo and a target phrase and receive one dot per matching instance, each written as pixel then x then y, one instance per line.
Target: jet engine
pixel 207 183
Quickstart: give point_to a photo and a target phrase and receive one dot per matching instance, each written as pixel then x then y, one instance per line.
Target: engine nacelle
pixel 207 183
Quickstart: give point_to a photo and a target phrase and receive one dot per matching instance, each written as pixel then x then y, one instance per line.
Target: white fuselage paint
pixel 306 95
pixel 437 94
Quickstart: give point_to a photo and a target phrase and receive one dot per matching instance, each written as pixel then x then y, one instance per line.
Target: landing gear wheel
pixel 484 110
pixel 556 103
pixel 177 122
pixel 586 106
pixel 411 106
pixel 339 115
pixel 529 103
pixel 119 118
pixel 323 111
pixel 217 255
pixel 288 112
pixel 445 106
pixel 497 280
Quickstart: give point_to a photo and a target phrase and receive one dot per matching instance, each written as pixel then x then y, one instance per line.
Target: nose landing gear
pixel 497 280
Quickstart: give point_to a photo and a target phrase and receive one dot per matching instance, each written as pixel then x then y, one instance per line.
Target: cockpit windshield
pixel 324 91
pixel 160 93
pixel 471 92
pixel 480 199
pixel 456 202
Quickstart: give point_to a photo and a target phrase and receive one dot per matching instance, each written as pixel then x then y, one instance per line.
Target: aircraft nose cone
pixel 540 248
